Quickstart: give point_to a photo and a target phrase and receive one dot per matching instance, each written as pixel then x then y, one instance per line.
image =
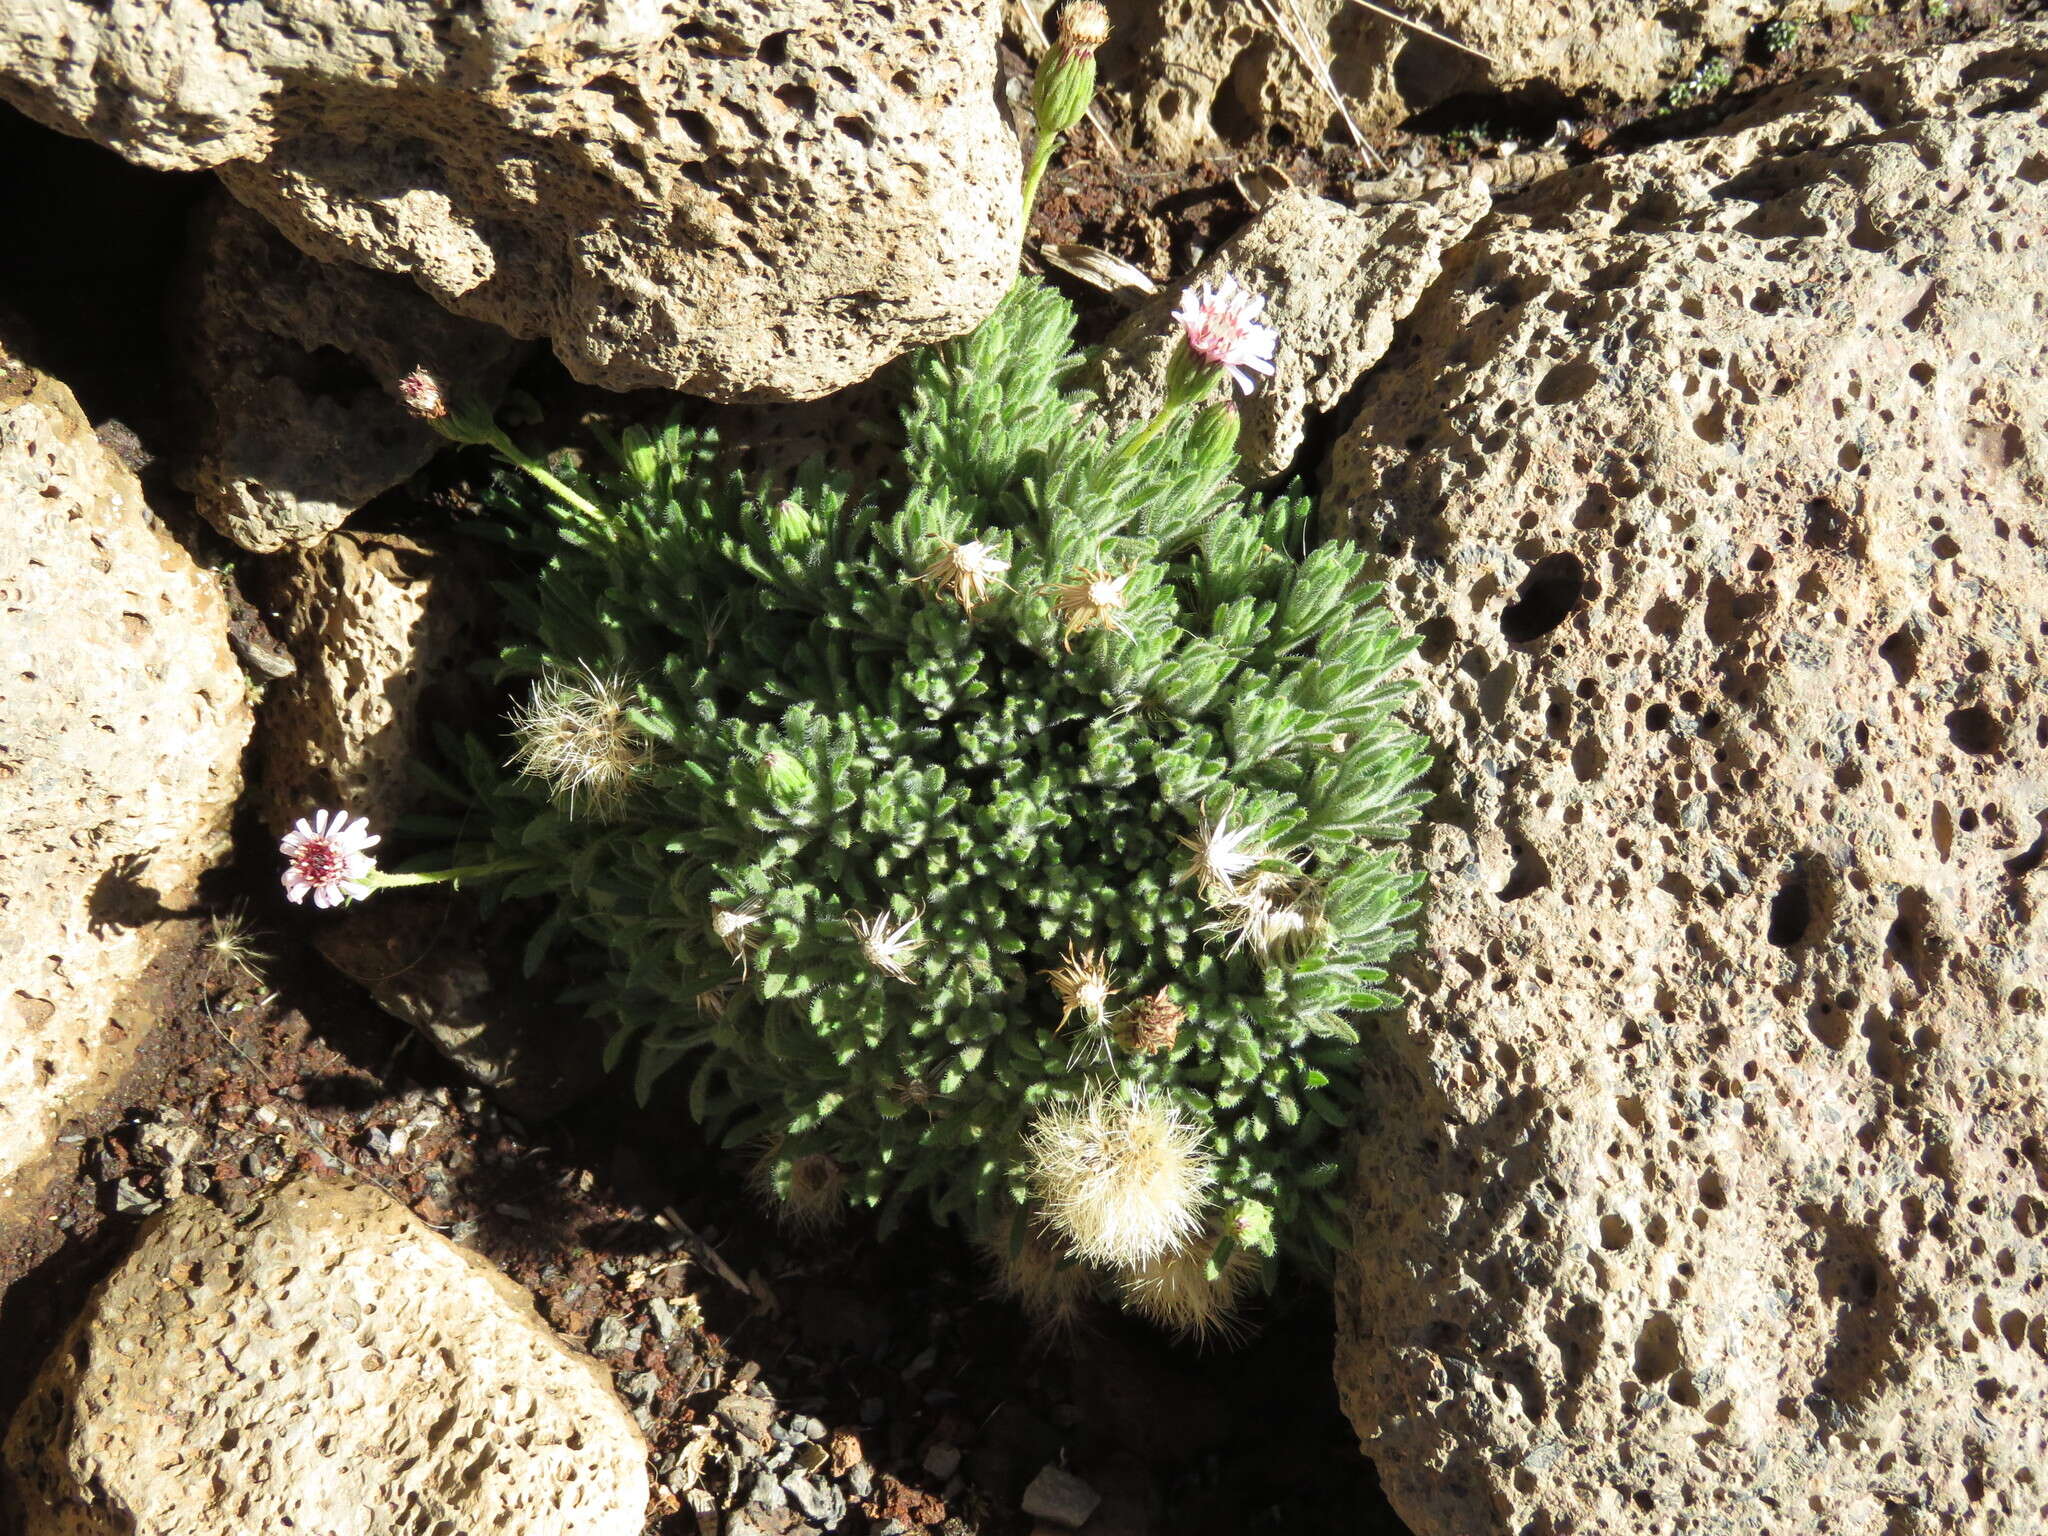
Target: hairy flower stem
pixel 1041 157
pixel 385 878
pixel 539 471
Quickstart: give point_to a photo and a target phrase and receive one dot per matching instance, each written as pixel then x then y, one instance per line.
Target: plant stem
pixel 1150 430
pixel 384 878
pixel 544 475
pixel 1041 157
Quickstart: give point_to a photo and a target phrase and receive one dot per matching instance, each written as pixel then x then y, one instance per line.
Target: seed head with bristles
pixel 574 733
pixel 885 943
pixel 1222 856
pixel 1082 982
pixel 1092 599
pixel 1176 1290
pixel 731 927
pixel 1036 1269
pixel 965 572
pixel 233 940
pixel 1122 1177
pixel 1279 917
pixel 807 1193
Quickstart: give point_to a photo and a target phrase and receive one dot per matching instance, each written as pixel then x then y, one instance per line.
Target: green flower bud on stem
pixel 1065 84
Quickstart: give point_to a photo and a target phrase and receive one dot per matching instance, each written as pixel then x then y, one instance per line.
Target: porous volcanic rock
pixel 122 721
pixel 1708 1190
pixel 295 361
pixel 383 627
pixel 765 199
pixel 1205 76
pixel 1335 281
pixel 323 1362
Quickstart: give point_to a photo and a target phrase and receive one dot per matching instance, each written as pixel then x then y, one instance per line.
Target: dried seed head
pixel 807 1193
pixel 1082 982
pixel 1176 1290
pixel 1223 856
pixel 886 944
pixel 965 573
pixel 1084 27
pixel 1036 1269
pixel 1093 599
pixel 574 734
pixel 1151 1023
pixel 1278 916
pixel 732 927
pixel 1121 1177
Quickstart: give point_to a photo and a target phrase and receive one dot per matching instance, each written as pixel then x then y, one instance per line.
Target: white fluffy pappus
pixel 1122 1177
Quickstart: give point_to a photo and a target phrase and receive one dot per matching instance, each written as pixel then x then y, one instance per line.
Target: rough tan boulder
pixel 1335 282
pixel 1709 1189
pixel 381 626
pixel 324 1362
pixel 122 721
pixel 1204 76
pixel 767 199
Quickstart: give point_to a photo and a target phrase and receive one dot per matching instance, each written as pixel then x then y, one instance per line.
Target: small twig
pixel 1295 34
pixel 1427 31
pixel 687 1235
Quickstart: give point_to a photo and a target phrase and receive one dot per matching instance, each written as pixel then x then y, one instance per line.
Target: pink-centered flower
pixel 1224 330
pixel 327 856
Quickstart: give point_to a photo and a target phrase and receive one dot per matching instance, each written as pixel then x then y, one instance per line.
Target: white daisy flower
pixel 327 856
pixel 1224 330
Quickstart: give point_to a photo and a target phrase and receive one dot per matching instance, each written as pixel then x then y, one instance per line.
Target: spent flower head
pixel 1121 1176
pixel 965 572
pixel 574 733
pixel 732 927
pixel 1150 1024
pixel 1223 856
pixel 1082 982
pixel 1222 336
pixel 327 855
pixel 885 943
pixel 1093 599
pixel 1278 916
pixel 1083 28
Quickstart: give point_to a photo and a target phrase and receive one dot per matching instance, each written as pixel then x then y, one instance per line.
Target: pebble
pixel 767 1492
pixel 168 1146
pixel 609 1335
pixel 748 1417
pixel 872 1409
pixel 640 1386
pixel 808 1427
pixel 1057 1495
pixel 860 1479
pixel 820 1502
pixel 943 1460
pixel 130 1200
pixel 666 1324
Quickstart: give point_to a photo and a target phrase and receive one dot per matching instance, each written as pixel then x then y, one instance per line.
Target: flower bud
pixel 783 777
pixel 1066 74
pixel 790 523
pixel 1215 432
pixel 636 449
